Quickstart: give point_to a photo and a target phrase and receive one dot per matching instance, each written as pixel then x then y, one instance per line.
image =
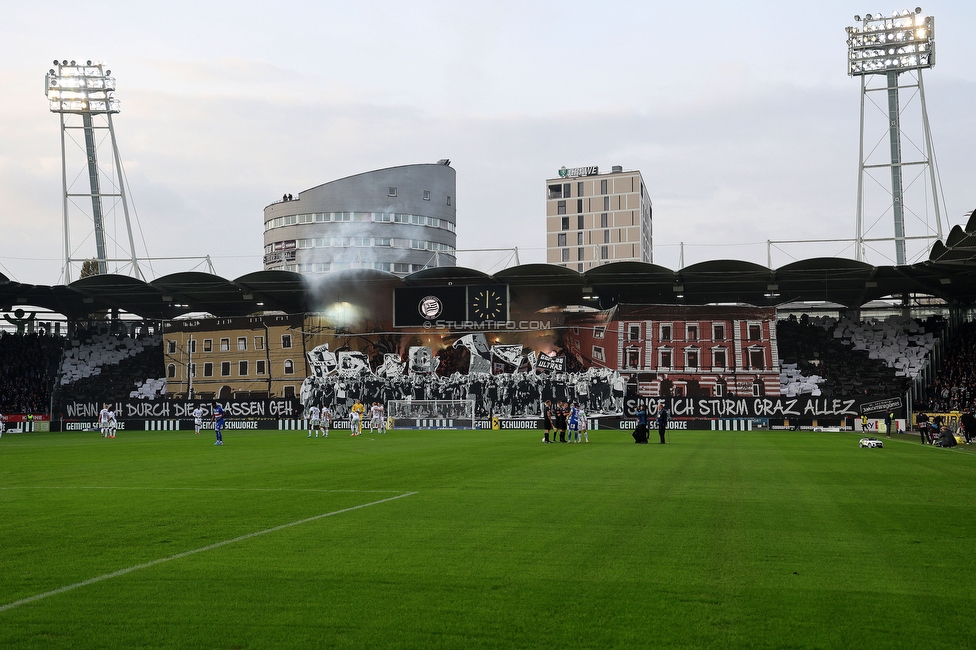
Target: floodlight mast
pixel 891 46
pixel 85 90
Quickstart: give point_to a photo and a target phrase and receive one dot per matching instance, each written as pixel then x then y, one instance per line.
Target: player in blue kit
pixel 218 417
pixel 574 412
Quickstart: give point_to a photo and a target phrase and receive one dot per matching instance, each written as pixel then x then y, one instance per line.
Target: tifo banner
pixel 755 407
pixel 183 409
pixel 556 364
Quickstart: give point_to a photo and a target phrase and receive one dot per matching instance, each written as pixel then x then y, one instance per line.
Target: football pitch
pixel 484 539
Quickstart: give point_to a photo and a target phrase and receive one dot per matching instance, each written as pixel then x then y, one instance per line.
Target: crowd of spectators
pixel 28 365
pixel 954 389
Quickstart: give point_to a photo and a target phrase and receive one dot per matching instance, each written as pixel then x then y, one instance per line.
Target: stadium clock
pixel 486 303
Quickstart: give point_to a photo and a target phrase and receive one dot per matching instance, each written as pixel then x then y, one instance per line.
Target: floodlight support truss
pixel 95 194
pixel 897 181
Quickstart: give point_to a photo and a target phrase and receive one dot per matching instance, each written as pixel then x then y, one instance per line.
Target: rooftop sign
pixel 573 172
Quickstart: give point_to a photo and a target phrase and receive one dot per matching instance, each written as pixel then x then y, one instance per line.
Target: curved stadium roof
pixel 949 274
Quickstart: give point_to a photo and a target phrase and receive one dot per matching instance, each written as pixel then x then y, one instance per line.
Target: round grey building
pixel 399 219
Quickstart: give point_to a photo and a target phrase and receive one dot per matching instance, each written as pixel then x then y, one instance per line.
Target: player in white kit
pixel 326 421
pixel 197 420
pixel 103 421
pixel 112 423
pixel 376 418
pixel 313 420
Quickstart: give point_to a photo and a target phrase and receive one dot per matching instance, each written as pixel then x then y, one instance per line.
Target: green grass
pixel 722 539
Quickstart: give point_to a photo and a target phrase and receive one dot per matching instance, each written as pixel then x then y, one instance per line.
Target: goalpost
pixel 431 413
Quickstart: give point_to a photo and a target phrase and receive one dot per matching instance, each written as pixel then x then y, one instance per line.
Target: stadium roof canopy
pixel 949 274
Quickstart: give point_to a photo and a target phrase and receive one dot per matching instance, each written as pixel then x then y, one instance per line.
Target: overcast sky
pixel 740 116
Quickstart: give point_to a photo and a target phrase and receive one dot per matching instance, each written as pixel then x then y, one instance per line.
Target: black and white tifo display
pixel 337 379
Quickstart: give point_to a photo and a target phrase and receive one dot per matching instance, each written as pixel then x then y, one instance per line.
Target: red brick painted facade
pixel 676 350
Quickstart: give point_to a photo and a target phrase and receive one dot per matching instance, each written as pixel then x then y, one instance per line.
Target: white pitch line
pixel 201 489
pixel 178 556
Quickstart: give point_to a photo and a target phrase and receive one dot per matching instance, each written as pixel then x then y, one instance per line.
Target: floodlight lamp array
pixel 903 41
pixel 73 87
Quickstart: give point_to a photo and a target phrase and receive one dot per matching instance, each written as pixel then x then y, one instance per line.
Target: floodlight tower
pixel 885 47
pixel 87 91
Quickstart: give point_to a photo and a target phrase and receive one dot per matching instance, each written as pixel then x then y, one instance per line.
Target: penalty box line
pixel 178 556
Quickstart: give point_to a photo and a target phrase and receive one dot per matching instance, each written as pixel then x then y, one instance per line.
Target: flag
pixel 510 354
pixel 476 345
pixel 391 366
pixel 420 358
pixel 352 363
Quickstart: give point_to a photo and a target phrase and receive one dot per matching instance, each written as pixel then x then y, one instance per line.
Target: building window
pixel 171 371
pixel 606 236
pixel 289 367
pixel 208 345
pixel 719 390
pixel 579 254
pixel 391 192
pixel 193 346
pixel 718 357
pixel 171 347
pixel 757 359
pixel 565 254
pixel 224 345
pixel 692 333
pixel 426 195
pixel 225 368
pixel 691 358
pixel 561 239
pixel 242 343
pixel 598 353
pixel 566 190
pixel 259 367
pixel 666 332
pixel 604 252
pixel 633 332
pixel 565 223
pixel 561 207
pixel 664 358
pixel 755 332
pixel 633 358
pixel 242 368
pixel 555 191
pixel 603 186
pixel 579 226
pixel 579 239
pixel 286 341
pixel 208 369
pixel 579 267
pixel 606 203
pixel 290 392
pixel 258 342
pixel 604 220
pixel 449 200
pixel 718 332
pixel 579 205
pixel 599 332
pixel 579 188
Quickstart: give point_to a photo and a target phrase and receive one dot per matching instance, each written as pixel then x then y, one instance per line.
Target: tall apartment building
pixel 594 218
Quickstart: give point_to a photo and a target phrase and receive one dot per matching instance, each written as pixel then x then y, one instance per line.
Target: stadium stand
pixel 845 358
pixel 28 364
pixel 954 387
pixel 106 366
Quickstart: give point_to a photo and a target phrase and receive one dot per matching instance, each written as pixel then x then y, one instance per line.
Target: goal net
pixel 431 413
